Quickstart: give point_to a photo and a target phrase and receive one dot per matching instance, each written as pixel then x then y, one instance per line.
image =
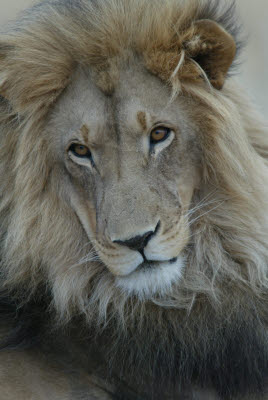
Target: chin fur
pixel 155 279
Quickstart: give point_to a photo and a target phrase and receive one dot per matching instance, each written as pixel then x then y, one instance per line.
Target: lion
pixel 134 205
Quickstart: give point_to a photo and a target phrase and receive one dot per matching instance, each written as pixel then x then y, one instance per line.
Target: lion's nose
pixel 136 243
pixel 139 242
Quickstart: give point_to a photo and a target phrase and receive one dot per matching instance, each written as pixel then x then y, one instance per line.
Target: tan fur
pixel 141 116
pixel 96 78
pixel 85 133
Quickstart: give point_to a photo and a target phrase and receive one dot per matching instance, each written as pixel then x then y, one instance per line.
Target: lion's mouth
pixel 153 264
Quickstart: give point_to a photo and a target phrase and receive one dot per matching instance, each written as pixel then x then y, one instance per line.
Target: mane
pixel 228 250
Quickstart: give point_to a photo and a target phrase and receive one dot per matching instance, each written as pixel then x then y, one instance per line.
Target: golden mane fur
pixel 228 256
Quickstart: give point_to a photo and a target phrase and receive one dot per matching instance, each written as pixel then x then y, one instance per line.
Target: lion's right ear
pixel 205 48
pixel 212 48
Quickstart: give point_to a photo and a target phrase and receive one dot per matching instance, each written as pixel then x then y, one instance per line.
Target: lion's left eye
pixel 159 135
pixel 80 150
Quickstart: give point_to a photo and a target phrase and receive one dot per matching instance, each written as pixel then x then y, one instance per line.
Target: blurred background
pixel 254 65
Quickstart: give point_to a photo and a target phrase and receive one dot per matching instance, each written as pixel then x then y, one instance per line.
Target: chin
pixel 152 279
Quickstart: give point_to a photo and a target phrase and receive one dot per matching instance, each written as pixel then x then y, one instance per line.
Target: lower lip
pixel 154 264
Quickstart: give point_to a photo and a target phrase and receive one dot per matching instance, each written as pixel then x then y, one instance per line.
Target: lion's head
pixel 134 186
pixel 133 172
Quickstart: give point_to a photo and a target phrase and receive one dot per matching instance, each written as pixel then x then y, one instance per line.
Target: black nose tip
pixel 138 242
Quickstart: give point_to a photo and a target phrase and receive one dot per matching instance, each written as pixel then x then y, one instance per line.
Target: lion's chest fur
pixel 191 358
pixel 24 376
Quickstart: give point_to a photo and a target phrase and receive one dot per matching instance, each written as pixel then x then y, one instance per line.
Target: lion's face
pixel 130 161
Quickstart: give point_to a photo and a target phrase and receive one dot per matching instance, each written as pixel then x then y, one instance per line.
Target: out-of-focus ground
pixel 254 67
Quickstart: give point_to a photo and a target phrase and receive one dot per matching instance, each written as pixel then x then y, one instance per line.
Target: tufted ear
pixel 204 48
pixel 213 48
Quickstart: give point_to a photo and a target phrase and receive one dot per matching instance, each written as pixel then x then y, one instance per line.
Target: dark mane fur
pixel 229 353
pixel 26 321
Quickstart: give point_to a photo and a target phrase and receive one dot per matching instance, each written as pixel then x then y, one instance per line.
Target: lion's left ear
pixel 213 48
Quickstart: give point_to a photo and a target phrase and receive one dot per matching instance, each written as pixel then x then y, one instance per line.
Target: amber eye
pixel 80 150
pixel 159 134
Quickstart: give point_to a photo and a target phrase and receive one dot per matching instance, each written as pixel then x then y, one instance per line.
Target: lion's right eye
pixel 80 150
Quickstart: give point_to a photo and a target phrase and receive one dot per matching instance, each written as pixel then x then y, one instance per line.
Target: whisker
pixel 201 206
pixel 202 202
pixel 90 257
pixel 205 213
pixel 196 233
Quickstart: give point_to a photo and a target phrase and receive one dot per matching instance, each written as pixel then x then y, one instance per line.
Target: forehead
pixel 138 98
